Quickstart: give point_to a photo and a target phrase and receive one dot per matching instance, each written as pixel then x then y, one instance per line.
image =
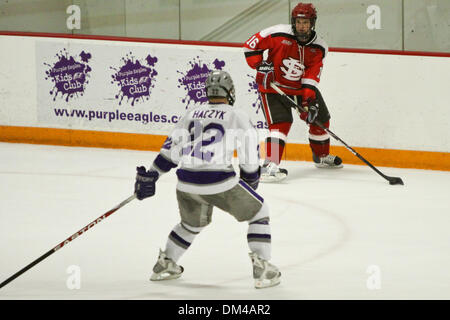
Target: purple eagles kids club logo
pixel 257 105
pixel 135 78
pixel 69 76
pixel 194 80
pixel 253 88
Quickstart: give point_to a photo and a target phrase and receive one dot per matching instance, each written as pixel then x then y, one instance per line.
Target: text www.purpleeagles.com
pixel 116 115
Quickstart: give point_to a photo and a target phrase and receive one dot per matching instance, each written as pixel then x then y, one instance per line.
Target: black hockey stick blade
pixel 395 180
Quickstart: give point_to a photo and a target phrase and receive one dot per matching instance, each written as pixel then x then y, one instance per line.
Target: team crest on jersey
pixel 292 69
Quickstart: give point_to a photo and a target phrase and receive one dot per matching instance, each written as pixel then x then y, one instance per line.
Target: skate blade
pixel 273 178
pixel 261 284
pixel 326 166
pixel 164 276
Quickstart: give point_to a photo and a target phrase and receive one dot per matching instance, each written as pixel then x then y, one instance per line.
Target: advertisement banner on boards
pixel 139 88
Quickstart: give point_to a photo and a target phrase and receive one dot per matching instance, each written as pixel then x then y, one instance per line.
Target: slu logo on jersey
pixel 292 69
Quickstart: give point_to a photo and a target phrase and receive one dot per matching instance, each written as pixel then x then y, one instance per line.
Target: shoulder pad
pixel 279 28
pixel 319 42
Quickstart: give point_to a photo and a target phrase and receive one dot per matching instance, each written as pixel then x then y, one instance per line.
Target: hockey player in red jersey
pixel 295 54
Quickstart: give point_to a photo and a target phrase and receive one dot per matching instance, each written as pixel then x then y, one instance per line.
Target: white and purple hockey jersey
pixel 202 146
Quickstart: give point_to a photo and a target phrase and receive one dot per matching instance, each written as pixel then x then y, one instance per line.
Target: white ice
pixel 336 234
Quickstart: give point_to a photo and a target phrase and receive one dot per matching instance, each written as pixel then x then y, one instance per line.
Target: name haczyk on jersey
pixel 216 114
pixel 209 114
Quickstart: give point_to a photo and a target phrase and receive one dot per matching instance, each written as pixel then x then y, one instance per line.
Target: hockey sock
pixel 180 239
pixel 258 234
pixel 319 140
pixel 276 141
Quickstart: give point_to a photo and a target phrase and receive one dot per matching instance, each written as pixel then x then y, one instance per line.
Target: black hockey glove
pixel 144 186
pixel 252 179
pixel 313 112
pixel 265 74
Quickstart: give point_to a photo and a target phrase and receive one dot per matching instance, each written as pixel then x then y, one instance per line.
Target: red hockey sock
pixel 276 141
pixel 319 140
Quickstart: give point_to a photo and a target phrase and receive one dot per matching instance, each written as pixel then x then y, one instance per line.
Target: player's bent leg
pixel 278 114
pixel 245 204
pixel 265 274
pixel 195 215
pixel 179 240
pixel 258 234
pixel 319 140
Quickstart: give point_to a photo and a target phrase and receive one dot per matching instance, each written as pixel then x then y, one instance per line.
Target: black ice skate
pixel 328 161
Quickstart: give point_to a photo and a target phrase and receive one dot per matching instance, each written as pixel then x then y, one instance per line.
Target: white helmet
pixel 220 85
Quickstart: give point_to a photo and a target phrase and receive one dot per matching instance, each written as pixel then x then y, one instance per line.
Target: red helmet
pixel 305 10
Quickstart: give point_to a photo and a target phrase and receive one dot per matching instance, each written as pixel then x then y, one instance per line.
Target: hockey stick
pixel 392 180
pixel 72 237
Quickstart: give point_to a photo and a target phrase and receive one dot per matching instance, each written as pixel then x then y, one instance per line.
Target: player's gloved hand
pixel 265 74
pixel 144 186
pixel 252 179
pixel 308 96
pixel 313 111
pixel 310 104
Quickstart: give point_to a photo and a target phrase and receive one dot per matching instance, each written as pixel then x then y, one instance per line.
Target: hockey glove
pixel 313 112
pixel 252 179
pixel 144 186
pixel 308 96
pixel 265 74
pixel 310 105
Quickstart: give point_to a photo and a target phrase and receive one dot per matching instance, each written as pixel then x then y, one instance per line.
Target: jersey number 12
pixel 197 131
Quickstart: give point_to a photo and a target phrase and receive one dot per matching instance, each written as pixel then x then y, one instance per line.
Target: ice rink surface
pixel 336 234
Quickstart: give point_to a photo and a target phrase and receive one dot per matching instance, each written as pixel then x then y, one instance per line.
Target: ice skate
pixel 328 161
pixel 265 274
pixel 270 172
pixel 165 268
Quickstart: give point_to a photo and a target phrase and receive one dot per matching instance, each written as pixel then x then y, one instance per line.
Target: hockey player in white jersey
pixel 202 146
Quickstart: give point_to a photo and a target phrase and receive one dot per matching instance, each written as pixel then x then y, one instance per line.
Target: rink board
pixel 128 93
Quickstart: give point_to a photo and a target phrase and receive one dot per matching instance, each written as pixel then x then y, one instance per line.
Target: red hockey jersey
pixel 294 65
